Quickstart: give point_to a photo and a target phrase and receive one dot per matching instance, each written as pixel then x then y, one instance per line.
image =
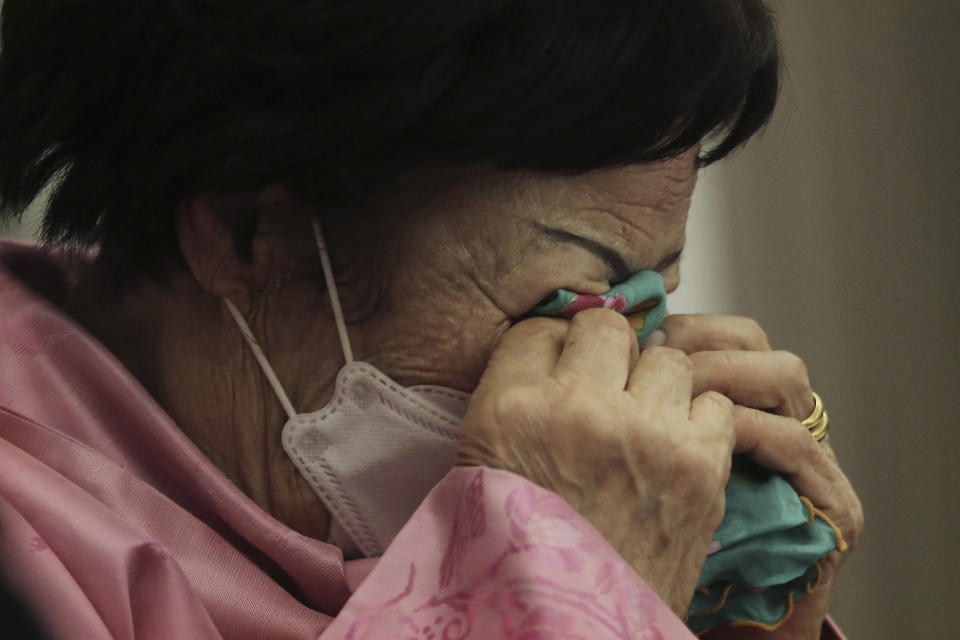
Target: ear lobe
pixel 210 246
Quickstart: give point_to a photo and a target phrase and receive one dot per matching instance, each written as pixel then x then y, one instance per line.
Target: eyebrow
pixel 616 262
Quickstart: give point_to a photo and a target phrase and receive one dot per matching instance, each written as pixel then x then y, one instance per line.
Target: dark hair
pixel 129 107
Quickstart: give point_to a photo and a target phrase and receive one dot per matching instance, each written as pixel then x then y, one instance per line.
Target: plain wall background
pixel 838 230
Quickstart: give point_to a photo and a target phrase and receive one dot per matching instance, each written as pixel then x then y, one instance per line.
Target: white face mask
pixel 375 451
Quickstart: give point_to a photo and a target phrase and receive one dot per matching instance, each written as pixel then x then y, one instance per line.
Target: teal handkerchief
pixel 765 553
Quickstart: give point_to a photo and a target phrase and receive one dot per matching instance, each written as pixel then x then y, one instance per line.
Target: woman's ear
pixel 211 247
pixel 235 244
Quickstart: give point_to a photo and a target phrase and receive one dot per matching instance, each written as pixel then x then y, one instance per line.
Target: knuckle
pixel 722 359
pixel 676 357
pixel 725 427
pixel 754 334
pixel 717 398
pixel 794 365
pixel 749 418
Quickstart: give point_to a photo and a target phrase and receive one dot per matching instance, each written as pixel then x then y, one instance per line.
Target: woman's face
pixel 589 232
pixel 486 251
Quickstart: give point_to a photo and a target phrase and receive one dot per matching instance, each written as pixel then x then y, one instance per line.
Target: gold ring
pixel 817 423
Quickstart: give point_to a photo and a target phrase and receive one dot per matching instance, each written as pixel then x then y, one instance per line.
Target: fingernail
pixel 656 339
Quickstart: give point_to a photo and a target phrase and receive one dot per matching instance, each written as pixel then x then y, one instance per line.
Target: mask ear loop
pixel 332 290
pixel 261 359
pixel 258 354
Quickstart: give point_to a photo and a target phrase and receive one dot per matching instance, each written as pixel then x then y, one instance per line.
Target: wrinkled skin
pixel 643 447
pixel 575 409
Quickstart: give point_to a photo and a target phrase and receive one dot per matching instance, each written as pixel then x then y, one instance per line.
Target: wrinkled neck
pixel 184 348
pixel 256 350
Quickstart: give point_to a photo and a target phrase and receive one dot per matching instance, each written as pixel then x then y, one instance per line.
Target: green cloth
pixel 767 541
pixel 765 552
pixel 642 298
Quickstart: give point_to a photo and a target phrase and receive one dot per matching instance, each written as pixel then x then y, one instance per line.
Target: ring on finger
pixel 817 423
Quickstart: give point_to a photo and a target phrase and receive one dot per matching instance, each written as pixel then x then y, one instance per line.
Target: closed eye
pixel 616 262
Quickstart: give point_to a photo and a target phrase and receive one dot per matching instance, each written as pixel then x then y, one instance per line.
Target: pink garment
pixel 114 525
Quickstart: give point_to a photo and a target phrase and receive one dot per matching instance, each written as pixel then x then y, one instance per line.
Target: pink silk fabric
pixel 113 525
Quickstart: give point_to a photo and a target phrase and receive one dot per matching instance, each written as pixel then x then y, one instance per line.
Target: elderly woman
pixel 307 231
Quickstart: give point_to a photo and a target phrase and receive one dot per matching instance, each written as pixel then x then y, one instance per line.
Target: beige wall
pixel 840 231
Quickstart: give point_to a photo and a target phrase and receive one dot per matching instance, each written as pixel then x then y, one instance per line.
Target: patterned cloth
pixel 642 298
pixel 765 552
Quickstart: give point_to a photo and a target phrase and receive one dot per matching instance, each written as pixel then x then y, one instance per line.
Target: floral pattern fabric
pixel 518 563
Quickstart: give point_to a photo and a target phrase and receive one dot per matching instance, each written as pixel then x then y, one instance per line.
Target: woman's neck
pixel 185 349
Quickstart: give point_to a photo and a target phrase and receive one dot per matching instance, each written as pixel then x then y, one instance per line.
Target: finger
pixel 775 442
pixel 711 332
pixel 663 376
pixel 713 410
pixel 774 380
pixel 599 345
pixel 529 349
pixel 784 445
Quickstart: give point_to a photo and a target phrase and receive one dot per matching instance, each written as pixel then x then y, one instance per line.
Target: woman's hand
pixel 622 436
pixel 772 392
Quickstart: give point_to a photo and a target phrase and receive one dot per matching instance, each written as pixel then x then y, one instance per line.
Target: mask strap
pixel 332 289
pixel 337 316
pixel 261 359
